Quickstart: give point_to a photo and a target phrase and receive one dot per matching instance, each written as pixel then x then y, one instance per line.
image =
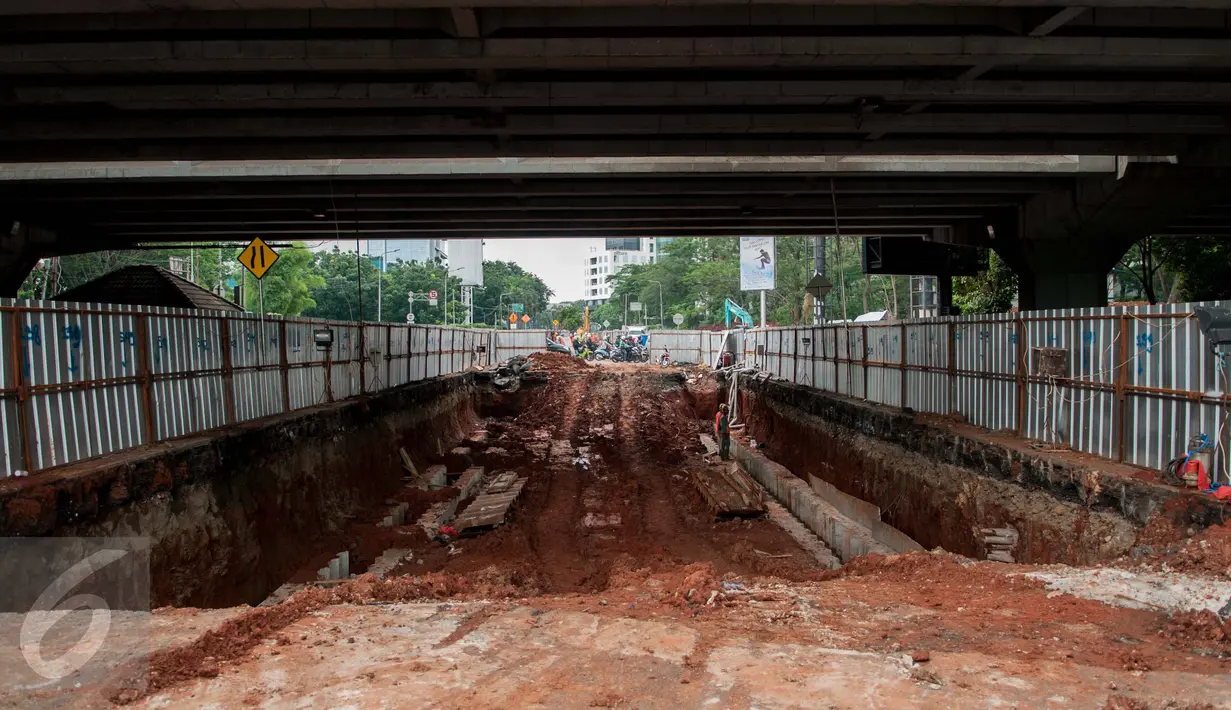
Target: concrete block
pixel 344 564
pixel 335 568
pixel 322 573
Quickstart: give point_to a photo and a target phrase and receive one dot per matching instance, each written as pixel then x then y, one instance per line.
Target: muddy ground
pixel 612 585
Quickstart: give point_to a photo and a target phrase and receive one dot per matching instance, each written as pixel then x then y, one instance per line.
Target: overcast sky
pixel 559 262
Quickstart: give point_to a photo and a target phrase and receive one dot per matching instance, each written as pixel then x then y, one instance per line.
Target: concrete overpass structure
pixel 208 80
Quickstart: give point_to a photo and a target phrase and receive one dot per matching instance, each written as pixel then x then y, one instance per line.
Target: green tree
pixel 288 285
pixel 570 316
pixel 990 292
pixel 1202 265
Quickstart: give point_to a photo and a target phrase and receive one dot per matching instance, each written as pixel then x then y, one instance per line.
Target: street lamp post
pixel 380 277
pixel 499 304
pixel 660 301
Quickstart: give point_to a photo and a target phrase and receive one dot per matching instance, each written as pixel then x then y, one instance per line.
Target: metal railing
pixel 1140 381
pixel 84 380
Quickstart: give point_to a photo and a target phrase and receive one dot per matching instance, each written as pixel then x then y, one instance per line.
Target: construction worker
pixel 722 432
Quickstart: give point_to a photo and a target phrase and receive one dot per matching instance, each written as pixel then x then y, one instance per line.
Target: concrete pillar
pixel 944 294
pixel 21 246
pixel 1056 288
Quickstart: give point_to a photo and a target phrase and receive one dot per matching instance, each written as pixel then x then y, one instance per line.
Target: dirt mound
pixel 1199 629
pixel 1207 551
pixel 557 362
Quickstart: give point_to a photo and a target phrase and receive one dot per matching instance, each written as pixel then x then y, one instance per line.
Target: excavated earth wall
pixel 943 488
pixel 230 514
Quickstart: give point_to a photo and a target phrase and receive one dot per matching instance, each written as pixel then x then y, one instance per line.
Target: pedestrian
pixel 722 432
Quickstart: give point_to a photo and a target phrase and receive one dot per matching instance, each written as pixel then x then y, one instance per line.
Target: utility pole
pixel 660 301
pixel 380 279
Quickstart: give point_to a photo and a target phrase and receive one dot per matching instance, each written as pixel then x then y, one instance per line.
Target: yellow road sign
pixel 525 318
pixel 555 322
pixel 257 257
pixel 512 317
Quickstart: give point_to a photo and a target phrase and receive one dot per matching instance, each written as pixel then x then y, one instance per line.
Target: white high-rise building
pixel 602 263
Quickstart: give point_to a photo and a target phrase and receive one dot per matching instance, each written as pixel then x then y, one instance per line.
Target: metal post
pixel 228 374
pixel 953 369
pixel 762 309
pixel 1121 372
pixel 1022 369
pixel 24 416
pixel 902 347
pixel 863 351
pixel 285 365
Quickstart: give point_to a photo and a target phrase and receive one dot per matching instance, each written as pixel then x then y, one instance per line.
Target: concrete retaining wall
pixel 844 536
pixel 233 513
pixel 942 488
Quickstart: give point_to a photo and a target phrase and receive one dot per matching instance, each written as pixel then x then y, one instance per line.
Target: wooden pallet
pixel 491 507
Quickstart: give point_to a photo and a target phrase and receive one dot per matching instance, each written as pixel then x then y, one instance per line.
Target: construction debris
pixel 491 508
pixel 726 488
pixel 999 543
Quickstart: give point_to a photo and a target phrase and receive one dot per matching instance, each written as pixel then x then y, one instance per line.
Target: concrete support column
pixel 944 293
pixel 21 246
pixel 1046 288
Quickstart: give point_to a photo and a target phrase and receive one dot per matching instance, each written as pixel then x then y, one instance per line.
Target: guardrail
pixel 84 380
pixel 1138 383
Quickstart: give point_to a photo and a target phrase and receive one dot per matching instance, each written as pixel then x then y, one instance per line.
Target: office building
pixel 602 263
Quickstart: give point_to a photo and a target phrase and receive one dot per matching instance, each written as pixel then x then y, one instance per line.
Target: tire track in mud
pixel 657 518
pixel 555 510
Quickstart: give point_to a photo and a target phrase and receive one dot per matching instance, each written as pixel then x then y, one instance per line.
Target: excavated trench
pixel 606 454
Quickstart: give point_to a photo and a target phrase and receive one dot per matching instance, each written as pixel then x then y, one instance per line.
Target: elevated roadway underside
pixel 1060 221
pixel 244 79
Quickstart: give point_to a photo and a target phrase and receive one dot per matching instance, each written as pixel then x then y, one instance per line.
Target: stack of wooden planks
pixel 491 507
pixel 726 488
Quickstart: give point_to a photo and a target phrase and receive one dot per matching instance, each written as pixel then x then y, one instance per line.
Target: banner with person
pixel 756 263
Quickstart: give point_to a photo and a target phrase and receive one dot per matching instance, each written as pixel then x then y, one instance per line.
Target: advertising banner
pixel 757 263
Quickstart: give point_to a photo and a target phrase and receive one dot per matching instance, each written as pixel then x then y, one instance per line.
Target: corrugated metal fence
pixel 689 346
pixel 1140 381
pixel 510 343
pixel 82 380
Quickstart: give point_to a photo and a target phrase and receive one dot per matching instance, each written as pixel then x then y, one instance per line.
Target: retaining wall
pixel 231 514
pixel 845 537
pixel 941 488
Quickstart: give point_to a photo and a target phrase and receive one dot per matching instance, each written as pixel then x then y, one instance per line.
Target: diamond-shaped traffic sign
pixel 258 257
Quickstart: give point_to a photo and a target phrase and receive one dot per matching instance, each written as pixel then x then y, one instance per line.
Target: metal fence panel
pixel 1139 383
pixel 510 343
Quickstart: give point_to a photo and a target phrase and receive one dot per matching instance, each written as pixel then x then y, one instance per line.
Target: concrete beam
pixel 180 126
pixel 257 94
pixel 86 198
pixel 462 231
pixel 600 53
pixel 281 207
pixel 700 145
pixel 1056 21
pixel 102 7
